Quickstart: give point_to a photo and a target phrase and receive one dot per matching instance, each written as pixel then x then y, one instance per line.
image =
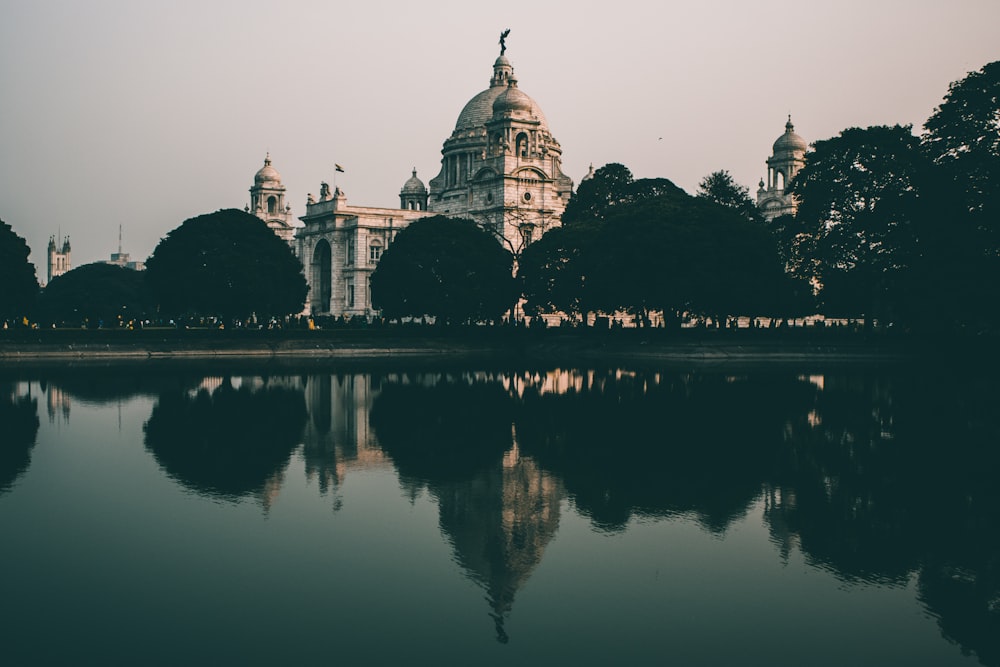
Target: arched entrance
pixel 322 278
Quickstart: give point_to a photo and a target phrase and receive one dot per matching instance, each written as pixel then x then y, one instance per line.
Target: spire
pixel 788 126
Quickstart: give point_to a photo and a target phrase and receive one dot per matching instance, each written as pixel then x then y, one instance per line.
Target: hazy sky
pixel 143 114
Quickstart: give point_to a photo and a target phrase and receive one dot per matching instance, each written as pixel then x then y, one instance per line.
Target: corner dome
pixel 267 173
pixel 413 186
pixel 790 141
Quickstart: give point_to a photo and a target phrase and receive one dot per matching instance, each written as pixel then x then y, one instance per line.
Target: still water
pixel 582 516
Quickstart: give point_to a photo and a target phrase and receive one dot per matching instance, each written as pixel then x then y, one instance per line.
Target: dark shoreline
pixel 489 347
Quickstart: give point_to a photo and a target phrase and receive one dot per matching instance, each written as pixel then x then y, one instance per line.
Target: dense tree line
pixel 890 227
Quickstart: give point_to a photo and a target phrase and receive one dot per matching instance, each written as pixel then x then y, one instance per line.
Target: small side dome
pixel 790 142
pixel 513 99
pixel 413 185
pixel 267 173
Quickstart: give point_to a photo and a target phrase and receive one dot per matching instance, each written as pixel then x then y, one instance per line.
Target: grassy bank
pixel 493 344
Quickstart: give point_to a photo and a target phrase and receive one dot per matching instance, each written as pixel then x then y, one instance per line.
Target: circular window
pixel 527 196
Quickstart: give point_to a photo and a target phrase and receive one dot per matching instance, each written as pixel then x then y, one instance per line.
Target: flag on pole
pixel 338 167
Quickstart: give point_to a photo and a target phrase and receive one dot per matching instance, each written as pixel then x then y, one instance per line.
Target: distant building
pixel 267 202
pixel 788 156
pixel 60 258
pixel 123 259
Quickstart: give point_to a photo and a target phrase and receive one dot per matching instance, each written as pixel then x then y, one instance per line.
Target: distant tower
pixel 413 196
pixel 267 202
pixel 59 258
pixel 788 157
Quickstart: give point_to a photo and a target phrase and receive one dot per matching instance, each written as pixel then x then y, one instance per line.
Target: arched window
pixel 374 252
pixel 522 144
pixel 780 180
pixel 272 204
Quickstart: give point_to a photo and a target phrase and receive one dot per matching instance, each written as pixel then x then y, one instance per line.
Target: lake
pixel 160 515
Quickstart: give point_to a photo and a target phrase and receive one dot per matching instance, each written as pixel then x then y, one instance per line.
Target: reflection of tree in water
pixel 106 385
pixel 498 509
pixel 19 424
pixel 228 443
pixel 891 477
pixel 659 445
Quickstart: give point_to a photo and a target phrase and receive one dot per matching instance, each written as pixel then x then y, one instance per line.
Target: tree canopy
pixel 720 187
pixel 859 200
pixel 671 252
pixel 227 264
pixel 17 276
pixel 612 186
pixel 95 294
pixel 962 137
pixel 448 268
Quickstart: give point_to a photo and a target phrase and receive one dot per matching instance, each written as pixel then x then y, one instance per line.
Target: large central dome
pixel 480 108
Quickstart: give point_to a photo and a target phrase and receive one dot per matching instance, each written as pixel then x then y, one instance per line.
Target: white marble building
pixel 501 166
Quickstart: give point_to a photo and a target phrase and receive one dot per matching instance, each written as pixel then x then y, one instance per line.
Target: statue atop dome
pixel 503 41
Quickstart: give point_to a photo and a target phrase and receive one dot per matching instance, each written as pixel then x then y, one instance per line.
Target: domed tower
pixel 501 166
pixel 788 156
pixel 267 202
pixel 413 196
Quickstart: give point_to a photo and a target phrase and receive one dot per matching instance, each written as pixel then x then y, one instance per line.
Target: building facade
pixel 787 158
pixel 501 166
pixel 340 246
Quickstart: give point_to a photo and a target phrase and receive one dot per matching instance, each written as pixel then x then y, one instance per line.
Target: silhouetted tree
pixel 94 293
pixel 449 268
pixel 228 264
pixel 859 200
pixel 963 139
pixel 594 196
pixel 960 277
pixel 17 276
pixel 720 187
pixel 552 271
pixel 678 253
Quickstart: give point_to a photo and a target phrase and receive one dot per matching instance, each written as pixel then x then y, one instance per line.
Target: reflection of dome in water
pixel 499 523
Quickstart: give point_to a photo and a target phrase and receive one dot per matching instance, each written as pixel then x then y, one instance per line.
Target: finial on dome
pixel 503 41
pixel 267 158
pixel 788 126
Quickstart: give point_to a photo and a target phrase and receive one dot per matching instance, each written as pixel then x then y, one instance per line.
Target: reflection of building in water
pixel 564 381
pixel 337 435
pixel 57 402
pixel 499 523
